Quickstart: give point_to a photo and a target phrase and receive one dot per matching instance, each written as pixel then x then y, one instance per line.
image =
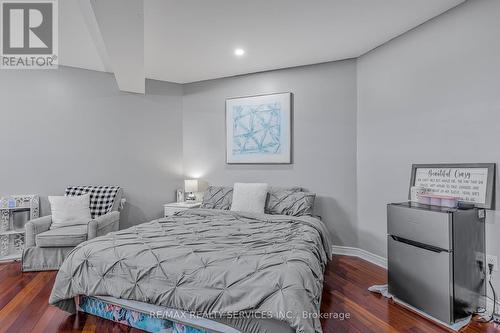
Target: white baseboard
pixel 360 253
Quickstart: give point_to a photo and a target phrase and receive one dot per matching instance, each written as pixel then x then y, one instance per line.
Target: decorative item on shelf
pixel 416 191
pixel 179 194
pixel 438 200
pixel 192 187
pixel 15 211
pixel 259 129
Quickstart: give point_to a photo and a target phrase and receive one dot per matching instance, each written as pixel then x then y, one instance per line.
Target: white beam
pixel 121 24
pixel 87 13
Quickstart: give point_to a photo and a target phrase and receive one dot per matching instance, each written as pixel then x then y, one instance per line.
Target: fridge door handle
pixel 418 244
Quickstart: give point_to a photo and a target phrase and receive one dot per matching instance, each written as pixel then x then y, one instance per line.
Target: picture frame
pixel 484 191
pixel 259 129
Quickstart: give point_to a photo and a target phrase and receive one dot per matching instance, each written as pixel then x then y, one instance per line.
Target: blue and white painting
pixel 258 129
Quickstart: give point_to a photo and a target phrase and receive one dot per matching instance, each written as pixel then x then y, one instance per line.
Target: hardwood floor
pixel 24 307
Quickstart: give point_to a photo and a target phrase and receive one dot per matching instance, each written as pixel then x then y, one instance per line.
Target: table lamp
pixel 191 187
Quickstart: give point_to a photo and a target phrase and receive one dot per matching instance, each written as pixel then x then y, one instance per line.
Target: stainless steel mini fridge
pixel 436 259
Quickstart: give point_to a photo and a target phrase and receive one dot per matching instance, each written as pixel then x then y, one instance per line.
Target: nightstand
pixel 172 208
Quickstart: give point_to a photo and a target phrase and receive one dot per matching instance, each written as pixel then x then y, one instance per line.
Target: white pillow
pixel 71 210
pixel 249 198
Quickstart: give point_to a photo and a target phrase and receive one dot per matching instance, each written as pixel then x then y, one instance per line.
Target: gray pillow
pixel 277 192
pixel 218 197
pixel 287 202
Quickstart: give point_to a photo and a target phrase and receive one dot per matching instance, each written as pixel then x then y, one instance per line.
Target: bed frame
pixel 139 315
pixel 134 318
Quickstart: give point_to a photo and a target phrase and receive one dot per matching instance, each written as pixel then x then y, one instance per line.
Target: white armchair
pixel 46 249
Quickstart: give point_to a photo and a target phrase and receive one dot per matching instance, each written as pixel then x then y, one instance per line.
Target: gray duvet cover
pixel 210 262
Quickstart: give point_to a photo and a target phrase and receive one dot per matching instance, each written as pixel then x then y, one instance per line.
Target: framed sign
pixel 259 129
pixel 471 183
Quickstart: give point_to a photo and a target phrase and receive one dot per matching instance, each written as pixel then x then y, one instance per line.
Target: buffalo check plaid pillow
pixel 102 198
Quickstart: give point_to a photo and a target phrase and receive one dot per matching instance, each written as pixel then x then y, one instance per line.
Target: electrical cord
pixel 490 267
pixel 494 295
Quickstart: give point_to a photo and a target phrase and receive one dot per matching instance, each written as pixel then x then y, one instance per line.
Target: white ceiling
pixel 194 40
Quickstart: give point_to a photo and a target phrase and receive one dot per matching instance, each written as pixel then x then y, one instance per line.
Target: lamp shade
pixel 191 185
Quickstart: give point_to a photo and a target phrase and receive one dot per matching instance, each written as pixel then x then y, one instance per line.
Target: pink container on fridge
pixel 438 200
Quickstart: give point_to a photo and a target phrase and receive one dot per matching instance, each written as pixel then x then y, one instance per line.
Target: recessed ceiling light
pixel 239 52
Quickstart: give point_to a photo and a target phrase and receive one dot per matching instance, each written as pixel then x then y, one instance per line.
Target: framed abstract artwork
pixel 258 129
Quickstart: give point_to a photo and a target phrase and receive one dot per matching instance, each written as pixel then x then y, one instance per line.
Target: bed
pixel 202 270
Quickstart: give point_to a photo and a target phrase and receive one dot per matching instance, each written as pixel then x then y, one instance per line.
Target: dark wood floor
pixel 24 308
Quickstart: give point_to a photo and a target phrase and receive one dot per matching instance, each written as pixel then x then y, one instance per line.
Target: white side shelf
pixel 10 257
pixel 11 229
pixel 11 232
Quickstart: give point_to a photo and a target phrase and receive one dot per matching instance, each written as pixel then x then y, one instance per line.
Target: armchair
pixel 46 249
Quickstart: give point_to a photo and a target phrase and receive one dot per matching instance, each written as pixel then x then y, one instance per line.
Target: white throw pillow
pixel 71 210
pixel 250 198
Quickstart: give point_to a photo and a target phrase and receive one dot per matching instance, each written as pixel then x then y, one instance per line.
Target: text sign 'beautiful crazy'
pixel 467 184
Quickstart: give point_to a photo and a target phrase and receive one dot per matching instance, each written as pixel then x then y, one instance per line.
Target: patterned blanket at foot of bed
pixel 133 318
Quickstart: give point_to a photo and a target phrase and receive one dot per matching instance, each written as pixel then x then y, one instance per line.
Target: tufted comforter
pixel 209 262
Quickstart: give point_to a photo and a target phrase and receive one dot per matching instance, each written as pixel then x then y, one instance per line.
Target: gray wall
pixel 324 137
pixel 430 96
pixel 72 126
